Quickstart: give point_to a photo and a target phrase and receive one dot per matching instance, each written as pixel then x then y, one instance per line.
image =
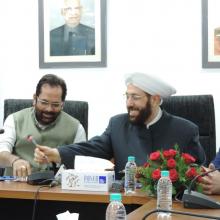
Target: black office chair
pixel 200 110
pixel 77 109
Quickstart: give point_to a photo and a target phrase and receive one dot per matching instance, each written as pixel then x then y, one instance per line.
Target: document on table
pixel 92 163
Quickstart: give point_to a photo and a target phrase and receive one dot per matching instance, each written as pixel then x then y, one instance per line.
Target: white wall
pixel 154 36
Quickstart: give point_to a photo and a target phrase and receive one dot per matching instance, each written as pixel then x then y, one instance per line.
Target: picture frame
pixel 59 47
pixel 210 34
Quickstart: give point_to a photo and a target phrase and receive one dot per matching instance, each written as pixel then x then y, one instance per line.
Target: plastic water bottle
pixel 115 209
pixel 164 193
pixel 130 172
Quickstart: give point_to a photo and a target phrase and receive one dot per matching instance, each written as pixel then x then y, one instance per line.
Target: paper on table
pixel 92 163
pixel 67 216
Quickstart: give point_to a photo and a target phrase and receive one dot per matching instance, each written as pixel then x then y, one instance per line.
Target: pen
pixel 30 138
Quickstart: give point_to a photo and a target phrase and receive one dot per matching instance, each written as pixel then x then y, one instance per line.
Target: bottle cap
pixel 115 197
pixel 165 173
pixel 131 158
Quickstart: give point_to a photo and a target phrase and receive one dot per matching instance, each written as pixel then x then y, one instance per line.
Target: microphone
pixel 2 131
pixel 201 175
pixel 193 199
pixel 180 213
pixel 41 177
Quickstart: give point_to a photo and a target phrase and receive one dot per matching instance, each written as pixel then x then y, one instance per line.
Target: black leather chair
pixel 77 109
pixel 200 110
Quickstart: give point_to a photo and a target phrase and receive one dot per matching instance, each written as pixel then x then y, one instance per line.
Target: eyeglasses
pixel 133 97
pixel 71 9
pixel 45 104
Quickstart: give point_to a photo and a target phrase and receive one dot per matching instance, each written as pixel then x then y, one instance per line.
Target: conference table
pixel 140 212
pixel 20 196
pixel 20 191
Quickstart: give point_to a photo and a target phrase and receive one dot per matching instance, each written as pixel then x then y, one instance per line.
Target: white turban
pixel 150 84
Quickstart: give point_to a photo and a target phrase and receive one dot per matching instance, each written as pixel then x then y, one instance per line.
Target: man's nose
pixel 49 108
pixel 130 102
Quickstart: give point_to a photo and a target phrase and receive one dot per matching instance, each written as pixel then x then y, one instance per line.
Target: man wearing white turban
pixel 144 129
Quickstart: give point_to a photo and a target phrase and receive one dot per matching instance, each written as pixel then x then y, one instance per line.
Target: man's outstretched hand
pixel 44 154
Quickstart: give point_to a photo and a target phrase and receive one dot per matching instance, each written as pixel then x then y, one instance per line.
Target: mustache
pixel 133 109
pixel 49 113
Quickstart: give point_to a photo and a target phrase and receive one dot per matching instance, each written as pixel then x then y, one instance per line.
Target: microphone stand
pixel 193 199
pixel 180 213
pixel 201 175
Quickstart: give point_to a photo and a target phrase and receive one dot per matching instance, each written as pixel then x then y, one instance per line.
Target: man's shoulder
pixel 85 28
pixel 67 117
pixel 120 117
pixel 23 111
pixel 22 115
pixel 57 30
pixel 180 120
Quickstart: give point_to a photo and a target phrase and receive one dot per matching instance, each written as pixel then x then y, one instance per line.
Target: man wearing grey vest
pixel 45 121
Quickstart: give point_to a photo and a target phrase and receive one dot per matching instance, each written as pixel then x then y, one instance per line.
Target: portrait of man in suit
pixel 72 38
pixel 217 41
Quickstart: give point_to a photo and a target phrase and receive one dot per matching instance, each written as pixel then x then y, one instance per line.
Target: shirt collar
pixel 156 119
pixel 68 30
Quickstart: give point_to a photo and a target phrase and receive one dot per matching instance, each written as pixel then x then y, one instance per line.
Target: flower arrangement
pixel 181 166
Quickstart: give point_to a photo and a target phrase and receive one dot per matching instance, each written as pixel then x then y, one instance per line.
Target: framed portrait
pixel 72 33
pixel 210 34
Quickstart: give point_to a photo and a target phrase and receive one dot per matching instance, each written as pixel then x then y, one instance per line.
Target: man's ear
pixel 34 99
pixel 62 11
pixel 155 99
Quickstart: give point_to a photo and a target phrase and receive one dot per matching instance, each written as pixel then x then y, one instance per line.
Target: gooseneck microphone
pixel 193 199
pixel 201 175
pixel 180 213
pixel 2 131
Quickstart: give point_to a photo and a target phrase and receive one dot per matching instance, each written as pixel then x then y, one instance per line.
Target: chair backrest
pixel 77 109
pixel 200 110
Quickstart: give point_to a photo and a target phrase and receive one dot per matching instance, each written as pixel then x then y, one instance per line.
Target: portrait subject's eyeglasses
pixel 54 105
pixel 133 97
pixel 71 9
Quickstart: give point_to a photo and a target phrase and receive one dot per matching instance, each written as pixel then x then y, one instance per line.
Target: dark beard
pixel 144 114
pixel 39 116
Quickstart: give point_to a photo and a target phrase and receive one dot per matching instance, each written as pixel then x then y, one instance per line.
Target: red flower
pixel 171 163
pixel 156 174
pixel 174 176
pixel 155 155
pixel 146 164
pixel 191 172
pixel 188 158
pixel 173 152
pixel 169 153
